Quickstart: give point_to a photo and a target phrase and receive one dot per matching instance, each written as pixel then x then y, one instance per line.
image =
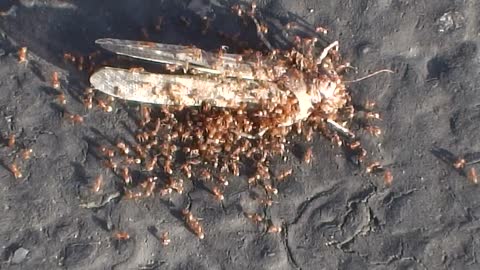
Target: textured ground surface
pixel 335 216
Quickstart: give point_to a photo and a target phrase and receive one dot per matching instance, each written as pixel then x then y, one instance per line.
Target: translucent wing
pixel 185 90
pixel 229 65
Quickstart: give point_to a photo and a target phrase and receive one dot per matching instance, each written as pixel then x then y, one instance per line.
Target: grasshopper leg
pixel 261 35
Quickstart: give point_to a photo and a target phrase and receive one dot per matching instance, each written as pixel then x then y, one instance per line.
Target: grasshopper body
pixel 225 80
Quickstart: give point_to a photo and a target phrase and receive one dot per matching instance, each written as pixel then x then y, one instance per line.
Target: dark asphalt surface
pixel 335 216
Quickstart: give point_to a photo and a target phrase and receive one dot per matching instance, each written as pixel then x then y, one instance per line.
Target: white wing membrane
pixel 157 52
pixel 229 65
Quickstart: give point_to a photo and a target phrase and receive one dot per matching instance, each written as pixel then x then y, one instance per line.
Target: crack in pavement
pixel 288 249
pixel 400 195
pixel 301 210
pixel 372 190
pixel 304 205
pixel 399 257
pixel 366 226
pixel 390 259
pixel 363 228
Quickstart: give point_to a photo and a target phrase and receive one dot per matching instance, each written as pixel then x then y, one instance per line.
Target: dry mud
pixel 335 216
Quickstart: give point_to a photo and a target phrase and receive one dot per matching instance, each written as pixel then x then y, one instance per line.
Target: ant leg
pixel 339 128
pixel 255 136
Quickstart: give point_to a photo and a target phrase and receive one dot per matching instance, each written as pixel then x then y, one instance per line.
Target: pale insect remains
pixel 226 80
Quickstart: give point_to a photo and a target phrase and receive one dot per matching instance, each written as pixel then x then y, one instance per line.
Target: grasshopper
pixel 226 80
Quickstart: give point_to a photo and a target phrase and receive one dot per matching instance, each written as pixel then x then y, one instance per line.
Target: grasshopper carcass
pixel 295 80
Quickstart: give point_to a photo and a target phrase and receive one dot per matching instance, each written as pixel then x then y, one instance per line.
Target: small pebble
pixel 19 255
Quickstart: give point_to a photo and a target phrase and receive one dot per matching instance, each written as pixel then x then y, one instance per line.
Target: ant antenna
pixel 370 75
